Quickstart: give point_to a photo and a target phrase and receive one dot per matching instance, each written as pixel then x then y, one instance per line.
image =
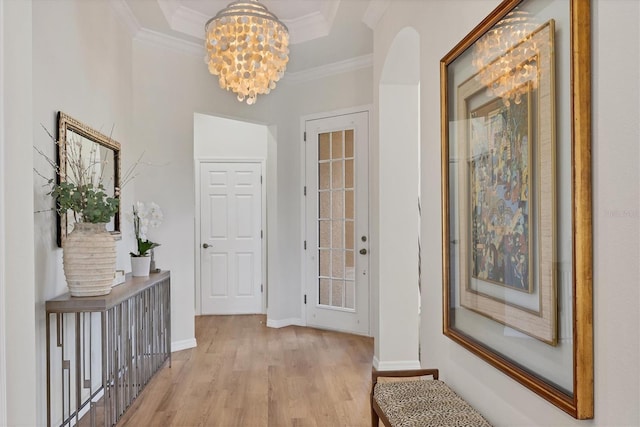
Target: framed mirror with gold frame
pixel 81 143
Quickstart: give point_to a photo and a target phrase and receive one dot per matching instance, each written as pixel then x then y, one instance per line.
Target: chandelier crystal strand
pixel 247 48
pixel 505 57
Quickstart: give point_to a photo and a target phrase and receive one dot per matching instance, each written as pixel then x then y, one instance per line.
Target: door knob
pixel 363 251
pixel 205 245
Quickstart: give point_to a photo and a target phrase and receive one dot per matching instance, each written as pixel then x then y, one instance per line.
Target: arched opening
pixel 398 205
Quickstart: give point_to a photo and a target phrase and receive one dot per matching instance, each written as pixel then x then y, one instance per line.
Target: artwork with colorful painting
pixel 500 188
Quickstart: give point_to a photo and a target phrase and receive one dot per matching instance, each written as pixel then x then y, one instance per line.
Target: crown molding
pixel 169 42
pixel 352 64
pixel 152 37
pixel 127 16
pixel 183 19
pixel 305 28
pixel 374 12
pixel 313 25
pixel 308 27
pixel 168 8
pixel 182 46
pixel 190 22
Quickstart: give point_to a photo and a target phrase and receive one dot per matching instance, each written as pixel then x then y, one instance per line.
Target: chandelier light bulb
pixel 505 57
pixel 247 48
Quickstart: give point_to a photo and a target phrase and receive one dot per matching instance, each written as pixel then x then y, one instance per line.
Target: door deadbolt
pixel 364 238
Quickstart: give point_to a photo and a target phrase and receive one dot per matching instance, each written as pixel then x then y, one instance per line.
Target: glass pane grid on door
pixel 336 220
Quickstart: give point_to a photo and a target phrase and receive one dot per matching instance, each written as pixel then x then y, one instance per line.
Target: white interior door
pixel 231 238
pixel 337 223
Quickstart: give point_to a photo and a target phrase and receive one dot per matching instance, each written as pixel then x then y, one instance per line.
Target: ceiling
pixel 322 32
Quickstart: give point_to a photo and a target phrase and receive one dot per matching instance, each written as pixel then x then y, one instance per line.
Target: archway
pixel 397 340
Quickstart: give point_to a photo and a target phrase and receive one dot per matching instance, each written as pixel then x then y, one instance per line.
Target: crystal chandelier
pixel 505 57
pixel 247 48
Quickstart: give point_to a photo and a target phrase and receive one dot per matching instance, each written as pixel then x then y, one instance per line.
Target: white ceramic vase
pixel 89 260
pixel 140 266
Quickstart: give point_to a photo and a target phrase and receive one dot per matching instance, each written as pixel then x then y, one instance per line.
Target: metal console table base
pixel 132 326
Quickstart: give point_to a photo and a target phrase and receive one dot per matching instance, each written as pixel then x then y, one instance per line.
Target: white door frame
pixel 198 221
pixel 303 206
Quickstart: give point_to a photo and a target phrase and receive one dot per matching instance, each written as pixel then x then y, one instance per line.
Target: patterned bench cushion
pixel 425 403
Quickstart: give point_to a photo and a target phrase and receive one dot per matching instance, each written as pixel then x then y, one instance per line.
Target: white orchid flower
pixel 146 215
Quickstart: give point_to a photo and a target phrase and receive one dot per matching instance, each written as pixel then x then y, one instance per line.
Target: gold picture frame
pixel 517 234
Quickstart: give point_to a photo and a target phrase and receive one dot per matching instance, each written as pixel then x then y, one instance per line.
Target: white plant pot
pixel 89 260
pixel 140 266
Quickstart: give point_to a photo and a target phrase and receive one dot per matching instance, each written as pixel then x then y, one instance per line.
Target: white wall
pixel 616 211
pixel 3 353
pixel 398 229
pixel 616 202
pixel 17 205
pixel 397 220
pixel 81 66
pixel 86 74
pixel 223 138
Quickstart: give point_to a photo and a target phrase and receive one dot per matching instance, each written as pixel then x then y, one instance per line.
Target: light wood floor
pixel 245 374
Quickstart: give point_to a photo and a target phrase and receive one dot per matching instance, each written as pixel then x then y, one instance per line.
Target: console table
pixel 106 350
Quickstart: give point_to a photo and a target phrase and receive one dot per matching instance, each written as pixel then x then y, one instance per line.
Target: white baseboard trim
pixel 395 365
pixel 183 345
pixel 271 323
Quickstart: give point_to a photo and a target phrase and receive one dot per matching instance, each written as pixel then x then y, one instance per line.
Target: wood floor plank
pixel 247 375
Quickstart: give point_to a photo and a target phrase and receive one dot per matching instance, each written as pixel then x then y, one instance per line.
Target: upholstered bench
pixel 419 402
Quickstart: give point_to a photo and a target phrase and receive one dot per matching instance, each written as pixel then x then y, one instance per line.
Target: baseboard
pixel 271 323
pixel 183 345
pixel 395 365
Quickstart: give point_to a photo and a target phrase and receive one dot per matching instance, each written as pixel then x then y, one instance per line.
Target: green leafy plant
pixel 83 192
pixel 88 203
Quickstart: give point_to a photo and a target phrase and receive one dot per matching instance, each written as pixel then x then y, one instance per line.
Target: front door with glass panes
pixel 337 223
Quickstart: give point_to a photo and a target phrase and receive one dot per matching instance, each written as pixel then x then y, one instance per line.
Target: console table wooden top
pixel 65 303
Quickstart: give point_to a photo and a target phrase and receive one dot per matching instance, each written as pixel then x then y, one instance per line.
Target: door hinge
pixel 261 288
pixel 261 234
pixel 305 190
pixel 260 179
pixel 305 245
pixel 305 136
pixel 305 298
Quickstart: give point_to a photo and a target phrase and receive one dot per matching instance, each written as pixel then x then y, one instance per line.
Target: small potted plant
pixel 144 216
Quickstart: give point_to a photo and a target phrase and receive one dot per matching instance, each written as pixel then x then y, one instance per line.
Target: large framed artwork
pixel 517 197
